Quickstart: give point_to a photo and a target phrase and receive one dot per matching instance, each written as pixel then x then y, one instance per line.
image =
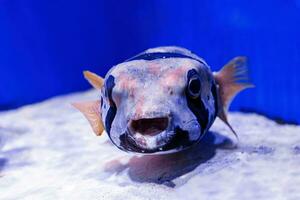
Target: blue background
pixel 45 45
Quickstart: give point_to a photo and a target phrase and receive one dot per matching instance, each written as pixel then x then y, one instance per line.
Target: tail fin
pixel 231 79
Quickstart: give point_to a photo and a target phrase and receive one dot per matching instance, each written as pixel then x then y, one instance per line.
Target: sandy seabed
pixel 48 151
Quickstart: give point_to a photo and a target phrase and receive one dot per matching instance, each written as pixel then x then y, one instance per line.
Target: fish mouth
pixel 154 136
pixel 149 133
pixel 149 126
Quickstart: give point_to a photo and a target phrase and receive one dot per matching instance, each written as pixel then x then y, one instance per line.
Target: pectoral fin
pixel 95 80
pixel 231 80
pixel 91 110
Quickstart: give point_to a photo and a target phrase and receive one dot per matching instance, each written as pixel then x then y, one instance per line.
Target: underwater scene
pixel 149 99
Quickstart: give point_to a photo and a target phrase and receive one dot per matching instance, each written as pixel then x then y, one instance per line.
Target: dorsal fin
pixel 231 79
pixel 95 80
pixel 91 110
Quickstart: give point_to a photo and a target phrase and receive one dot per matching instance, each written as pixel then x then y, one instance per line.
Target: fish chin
pixel 163 143
pixel 156 142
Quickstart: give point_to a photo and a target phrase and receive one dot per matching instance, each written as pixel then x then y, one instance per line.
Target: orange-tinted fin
pixel 91 110
pixel 95 80
pixel 231 79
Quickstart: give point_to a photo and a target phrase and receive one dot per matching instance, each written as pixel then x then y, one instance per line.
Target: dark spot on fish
pixel 123 142
pixel 105 93
pixel 170 91
pixel 111 113
pixel 101 100
pixel 181 139
pixel 161 55
pixel 194 86
pixel 131 94
pixel 196 105
pixel 214 93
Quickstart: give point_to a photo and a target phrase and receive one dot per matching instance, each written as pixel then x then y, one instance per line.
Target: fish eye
pixel 194 87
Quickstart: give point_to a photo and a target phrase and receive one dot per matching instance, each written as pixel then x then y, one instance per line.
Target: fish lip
pixel 134 147
pixel 157 139
pixel 130 145
pixel 149 115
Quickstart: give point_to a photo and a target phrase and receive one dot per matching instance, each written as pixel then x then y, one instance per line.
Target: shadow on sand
pixel 13 159
pixel 3 162
pixel 163 169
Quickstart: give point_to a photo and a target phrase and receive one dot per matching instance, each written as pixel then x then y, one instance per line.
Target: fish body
pixel 162 100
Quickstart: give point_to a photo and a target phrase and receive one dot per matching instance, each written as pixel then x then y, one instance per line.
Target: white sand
pixel 48 151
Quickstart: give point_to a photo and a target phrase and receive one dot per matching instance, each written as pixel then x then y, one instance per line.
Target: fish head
pixel 157 106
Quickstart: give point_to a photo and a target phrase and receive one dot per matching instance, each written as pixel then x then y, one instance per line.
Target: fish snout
pixel 149 126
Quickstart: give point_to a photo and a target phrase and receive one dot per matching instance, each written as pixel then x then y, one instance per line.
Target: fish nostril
pixel 149 126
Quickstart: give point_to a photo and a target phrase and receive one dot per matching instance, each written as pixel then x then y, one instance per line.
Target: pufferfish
pixel 162 100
